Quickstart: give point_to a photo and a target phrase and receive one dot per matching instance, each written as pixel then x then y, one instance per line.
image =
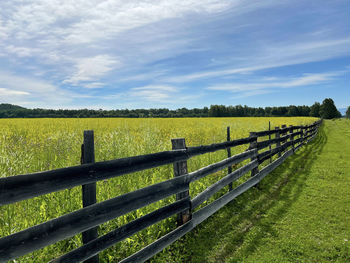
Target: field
pixel 30 145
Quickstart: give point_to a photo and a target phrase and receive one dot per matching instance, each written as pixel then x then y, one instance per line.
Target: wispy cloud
pixel 21 51
pixel 91 69
pixel 275 56
pixel 268 86
pixel 7 92
pixel 94 85
pixel 88 21
pixel 153 96
pixel 159 94
pixel 31 92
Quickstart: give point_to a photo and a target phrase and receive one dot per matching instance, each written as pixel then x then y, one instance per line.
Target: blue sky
pixel 173 53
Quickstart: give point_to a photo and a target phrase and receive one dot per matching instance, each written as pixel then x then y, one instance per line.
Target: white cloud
pixel 92 68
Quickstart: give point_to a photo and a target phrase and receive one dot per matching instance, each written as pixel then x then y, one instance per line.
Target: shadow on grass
pixel 221 236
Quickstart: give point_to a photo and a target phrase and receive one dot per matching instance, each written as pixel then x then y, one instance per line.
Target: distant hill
pixel 6 106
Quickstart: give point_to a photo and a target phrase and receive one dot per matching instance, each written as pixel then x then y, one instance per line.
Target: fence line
pixel 86 219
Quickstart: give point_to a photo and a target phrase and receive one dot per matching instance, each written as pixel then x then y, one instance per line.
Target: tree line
pixel 326 110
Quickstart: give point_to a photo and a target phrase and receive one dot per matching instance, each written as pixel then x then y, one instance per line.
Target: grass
pixel 300 214
pixel 29 145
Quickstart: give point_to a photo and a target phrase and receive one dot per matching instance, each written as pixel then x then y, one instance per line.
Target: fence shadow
pixel 225 231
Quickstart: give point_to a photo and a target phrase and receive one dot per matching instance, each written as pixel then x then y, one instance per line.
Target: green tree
pixel 328 109
pixel 348 112
pixel 315 110
pixel 293 111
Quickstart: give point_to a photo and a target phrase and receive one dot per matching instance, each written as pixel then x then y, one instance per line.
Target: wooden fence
pixel 287 140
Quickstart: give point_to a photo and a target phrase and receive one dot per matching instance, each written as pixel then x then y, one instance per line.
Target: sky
pixel 118 54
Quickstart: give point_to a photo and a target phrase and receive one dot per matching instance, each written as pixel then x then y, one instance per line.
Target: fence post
pixel 302 135
pixel 254 145
pixel 180 168
pixel 278 144
pixel 89 190
pixel 292 136
pixel 269 140
pixel 229 169
pixel 284 133
pixel 307 132
pixel 284 126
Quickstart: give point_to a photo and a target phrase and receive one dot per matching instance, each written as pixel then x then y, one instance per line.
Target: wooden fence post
pixel 278 144
pixel 302 135
pixel 270 139
pixel 180 168
pixel 292 136
pixel 89 190
pixel 229 169
pixel 283 134
pixel 254 145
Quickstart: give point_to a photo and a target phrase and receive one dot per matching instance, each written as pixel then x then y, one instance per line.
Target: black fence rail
pixel 286 141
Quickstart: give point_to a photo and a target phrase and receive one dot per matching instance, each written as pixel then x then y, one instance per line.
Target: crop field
pixel 31 145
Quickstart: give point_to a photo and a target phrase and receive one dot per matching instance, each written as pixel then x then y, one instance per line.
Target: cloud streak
pixel 257 88
pixel 276 56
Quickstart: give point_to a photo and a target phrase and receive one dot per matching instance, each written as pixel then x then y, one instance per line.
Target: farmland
pixel 30 145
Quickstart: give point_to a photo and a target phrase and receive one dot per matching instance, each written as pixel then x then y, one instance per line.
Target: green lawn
pixel 300 214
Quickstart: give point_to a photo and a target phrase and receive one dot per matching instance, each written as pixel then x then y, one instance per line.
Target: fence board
pixel 94 247
pixel 218 146
pixel 270 153
pixel 158 245
pixel 196 175
pixel 212 189
pixel 21 187
pixel 47 233
pixel 264 144
pixel 270 132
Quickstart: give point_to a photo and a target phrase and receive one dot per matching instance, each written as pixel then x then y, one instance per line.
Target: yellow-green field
pixel 31 145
